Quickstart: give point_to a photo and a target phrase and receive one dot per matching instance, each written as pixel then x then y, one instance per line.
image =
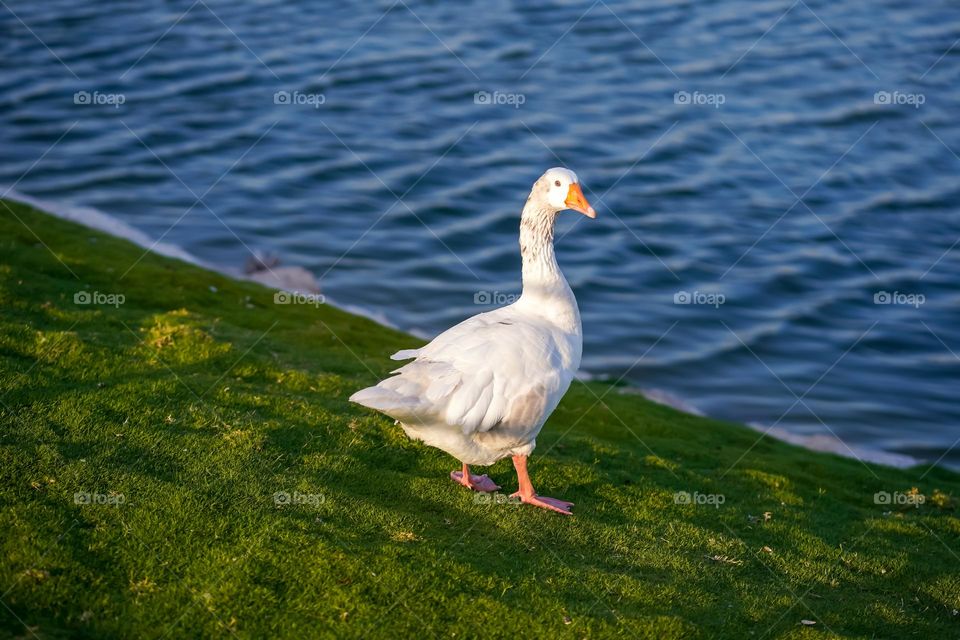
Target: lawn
pixel 179 459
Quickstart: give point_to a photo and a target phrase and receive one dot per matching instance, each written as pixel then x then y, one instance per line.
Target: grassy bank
pixel 185 463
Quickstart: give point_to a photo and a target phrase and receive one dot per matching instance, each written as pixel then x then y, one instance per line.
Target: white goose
pixel 482 389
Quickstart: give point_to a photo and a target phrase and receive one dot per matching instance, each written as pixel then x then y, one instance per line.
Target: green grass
pixel 193 403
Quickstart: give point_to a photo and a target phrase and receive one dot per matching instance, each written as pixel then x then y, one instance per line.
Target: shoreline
pixel 824 443
pixel 299 280
pixel 292 279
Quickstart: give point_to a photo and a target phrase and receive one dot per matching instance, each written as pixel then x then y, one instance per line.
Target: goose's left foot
pixel 470 481
pixel 528 496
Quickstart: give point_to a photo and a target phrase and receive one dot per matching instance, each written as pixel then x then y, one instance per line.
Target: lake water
pixel 791 167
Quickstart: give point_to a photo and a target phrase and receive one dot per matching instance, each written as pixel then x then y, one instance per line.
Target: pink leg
pixel 529 496
pixel 470 481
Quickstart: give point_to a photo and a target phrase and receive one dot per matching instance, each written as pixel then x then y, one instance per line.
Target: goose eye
pixel 556 182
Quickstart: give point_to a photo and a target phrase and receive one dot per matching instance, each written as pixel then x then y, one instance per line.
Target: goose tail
pixel 386 401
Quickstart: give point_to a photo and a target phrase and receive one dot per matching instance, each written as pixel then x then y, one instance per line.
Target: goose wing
pixel 494 367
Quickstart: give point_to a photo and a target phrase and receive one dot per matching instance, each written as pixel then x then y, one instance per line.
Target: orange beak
pixel 577 202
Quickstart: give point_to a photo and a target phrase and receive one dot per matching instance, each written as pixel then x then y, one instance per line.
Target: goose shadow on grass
pixel 469 545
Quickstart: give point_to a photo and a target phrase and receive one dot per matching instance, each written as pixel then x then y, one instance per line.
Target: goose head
pixel 559 189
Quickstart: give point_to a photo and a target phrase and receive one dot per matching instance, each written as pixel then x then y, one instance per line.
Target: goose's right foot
pixel 476 483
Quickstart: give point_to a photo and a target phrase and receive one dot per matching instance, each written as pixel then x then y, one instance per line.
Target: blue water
pixel 697 194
